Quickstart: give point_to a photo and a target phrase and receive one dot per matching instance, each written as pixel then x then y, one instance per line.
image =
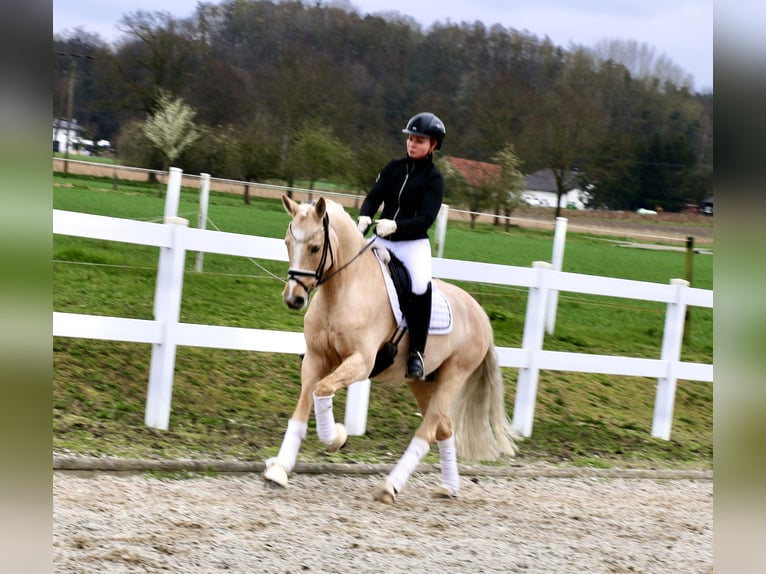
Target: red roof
pixel 475 173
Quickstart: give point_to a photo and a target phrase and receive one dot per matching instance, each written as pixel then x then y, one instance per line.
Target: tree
pixel 570 121
pixel 258 153
pixel 641 62
pixel 171 127
pixel 318 153
pixel 292 64
pixel 477 194
pixel 368 159
pixel 511 181
pixel 158 52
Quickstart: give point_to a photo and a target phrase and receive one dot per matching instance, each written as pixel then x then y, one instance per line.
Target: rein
pixel 319 274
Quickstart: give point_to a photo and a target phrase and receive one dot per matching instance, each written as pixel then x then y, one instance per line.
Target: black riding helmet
pixel 426 124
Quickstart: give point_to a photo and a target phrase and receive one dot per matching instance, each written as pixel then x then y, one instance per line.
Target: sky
pixel 681 30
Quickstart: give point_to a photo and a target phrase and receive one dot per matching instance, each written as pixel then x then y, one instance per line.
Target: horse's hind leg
pixel 445 440
pixel 436 426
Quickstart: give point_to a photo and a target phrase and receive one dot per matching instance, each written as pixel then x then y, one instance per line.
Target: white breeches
pixel 416 256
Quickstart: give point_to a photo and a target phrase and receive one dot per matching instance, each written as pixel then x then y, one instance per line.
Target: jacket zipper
pixel 399 197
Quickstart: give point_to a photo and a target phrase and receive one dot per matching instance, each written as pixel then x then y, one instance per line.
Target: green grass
pixel 232 404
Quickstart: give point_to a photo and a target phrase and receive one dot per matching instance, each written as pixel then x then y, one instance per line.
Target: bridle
pixel 319 275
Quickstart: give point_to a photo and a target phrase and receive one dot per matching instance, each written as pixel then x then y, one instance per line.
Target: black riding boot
pixel 418 317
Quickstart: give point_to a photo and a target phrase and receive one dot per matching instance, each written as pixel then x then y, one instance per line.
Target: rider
pixel 411 190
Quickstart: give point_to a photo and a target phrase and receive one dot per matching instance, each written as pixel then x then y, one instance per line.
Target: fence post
pixel 173 195
pixel 689 278
pixel 357 403
pixel 671 354
pixel 532 343
pixel 204 195
pixel 441 229
pixel 167 310
pixel 557 261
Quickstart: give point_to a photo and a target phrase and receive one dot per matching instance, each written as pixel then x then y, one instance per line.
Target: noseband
pixel 319 274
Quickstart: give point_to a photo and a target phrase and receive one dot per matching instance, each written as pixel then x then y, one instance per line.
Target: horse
pixel 349 319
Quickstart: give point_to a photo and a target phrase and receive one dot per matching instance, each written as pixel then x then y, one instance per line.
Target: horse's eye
pixel 315 249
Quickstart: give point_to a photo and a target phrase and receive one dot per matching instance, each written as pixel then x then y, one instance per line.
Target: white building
pixel 66 135
pixel 72 135
pixel 541 191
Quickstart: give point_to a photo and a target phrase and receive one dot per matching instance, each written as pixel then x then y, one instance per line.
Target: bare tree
pixel 642 62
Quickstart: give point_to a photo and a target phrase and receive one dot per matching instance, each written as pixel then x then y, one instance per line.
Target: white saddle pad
pixel 441 313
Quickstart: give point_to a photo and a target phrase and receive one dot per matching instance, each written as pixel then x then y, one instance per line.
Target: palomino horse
pixel 349 319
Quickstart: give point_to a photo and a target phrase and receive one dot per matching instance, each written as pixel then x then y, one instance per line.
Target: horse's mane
pixel 335 208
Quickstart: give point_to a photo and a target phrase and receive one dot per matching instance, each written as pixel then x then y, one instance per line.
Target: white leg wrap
pixel 410 459
pixel 325 420
pixel 288 452
pixel 448 457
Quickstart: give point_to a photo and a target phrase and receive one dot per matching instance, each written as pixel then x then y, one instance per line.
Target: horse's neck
pixel 355 281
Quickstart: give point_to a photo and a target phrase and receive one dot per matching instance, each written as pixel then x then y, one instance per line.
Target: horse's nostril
pixel 295 302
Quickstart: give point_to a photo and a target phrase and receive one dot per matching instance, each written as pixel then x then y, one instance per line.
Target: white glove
pixel 363 224
pixel 385 227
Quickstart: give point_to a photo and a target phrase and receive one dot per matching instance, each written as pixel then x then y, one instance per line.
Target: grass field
pixel 230 404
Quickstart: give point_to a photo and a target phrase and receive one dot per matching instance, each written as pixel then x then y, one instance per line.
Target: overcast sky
pixel 682 30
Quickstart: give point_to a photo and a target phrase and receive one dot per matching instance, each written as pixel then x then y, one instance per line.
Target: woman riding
pixel 411 190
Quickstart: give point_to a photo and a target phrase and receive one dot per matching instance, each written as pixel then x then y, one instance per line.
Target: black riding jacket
pixel 411 193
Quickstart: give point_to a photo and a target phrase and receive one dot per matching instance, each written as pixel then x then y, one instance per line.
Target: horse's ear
pixel 290 205
pixel 320 207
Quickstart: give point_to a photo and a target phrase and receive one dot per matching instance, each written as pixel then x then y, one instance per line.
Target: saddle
pixel 400 277
pixel 399 288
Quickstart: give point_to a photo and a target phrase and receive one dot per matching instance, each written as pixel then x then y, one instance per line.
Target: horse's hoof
pixel 443 492
pixel 275 476
pixel 385 494
pixel 340 440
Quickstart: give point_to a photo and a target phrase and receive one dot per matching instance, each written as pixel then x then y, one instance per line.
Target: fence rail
pixel 166 332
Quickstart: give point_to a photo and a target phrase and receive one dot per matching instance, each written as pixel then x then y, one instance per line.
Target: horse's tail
pixel 481 425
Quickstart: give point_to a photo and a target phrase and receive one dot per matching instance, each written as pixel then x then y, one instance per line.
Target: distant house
pixel 475 173
pixel 66 135
pixel 541 190
pixel 70 136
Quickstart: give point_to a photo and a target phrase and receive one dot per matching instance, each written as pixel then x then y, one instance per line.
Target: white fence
pixel 165 333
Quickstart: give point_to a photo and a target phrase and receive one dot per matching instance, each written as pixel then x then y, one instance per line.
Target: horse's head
pixel 309 248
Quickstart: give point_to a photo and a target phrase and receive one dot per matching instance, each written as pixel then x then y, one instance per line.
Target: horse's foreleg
pixel 277 468
pixel 334 435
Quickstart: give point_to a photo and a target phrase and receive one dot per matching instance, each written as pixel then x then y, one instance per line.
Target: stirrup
pixel 415 366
